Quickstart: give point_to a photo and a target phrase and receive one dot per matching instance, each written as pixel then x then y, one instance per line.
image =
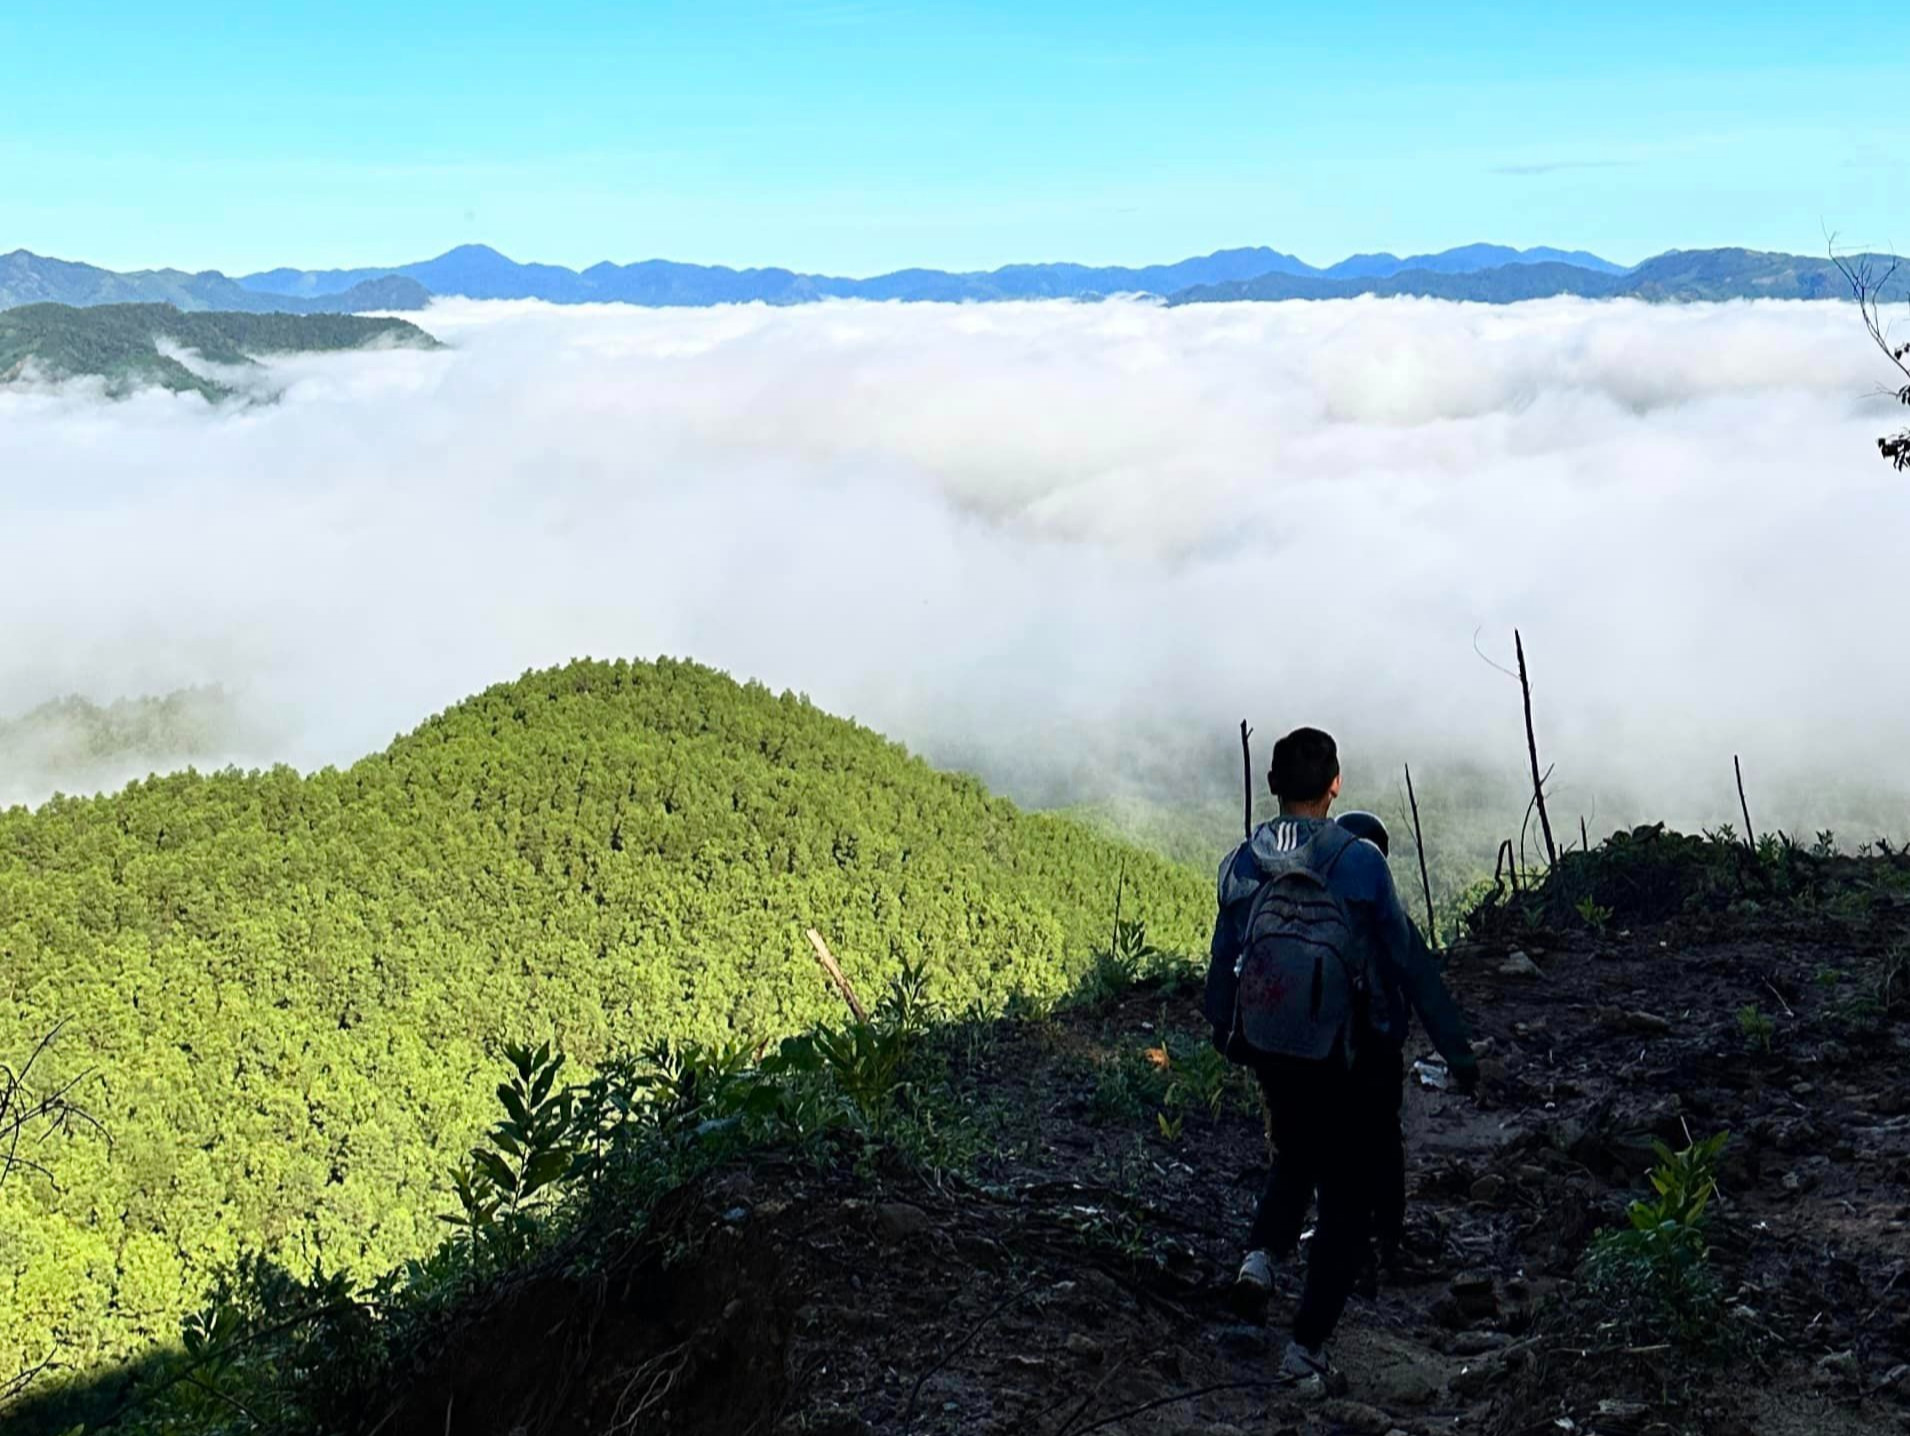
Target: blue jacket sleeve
pixel 1409 964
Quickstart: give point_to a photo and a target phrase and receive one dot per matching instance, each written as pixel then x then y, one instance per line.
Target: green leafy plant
pixel 525 1155
pixel 1592 914
pixel 1655 1271
pixel 1127 958
pixel 1198 1075
pixel 1757 1027
pixel 1893 984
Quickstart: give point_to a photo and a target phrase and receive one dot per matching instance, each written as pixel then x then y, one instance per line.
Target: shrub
pixel 1655 1273
pixel 1757 1027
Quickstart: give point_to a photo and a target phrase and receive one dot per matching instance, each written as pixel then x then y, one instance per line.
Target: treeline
pixel 118 342
pixel 75 744
pixel 291 988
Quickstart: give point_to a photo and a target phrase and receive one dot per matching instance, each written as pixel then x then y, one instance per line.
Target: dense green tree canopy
pixel 119 342
pixel 289 985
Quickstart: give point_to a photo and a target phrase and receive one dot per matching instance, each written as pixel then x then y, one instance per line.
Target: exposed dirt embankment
pixel 1081 1284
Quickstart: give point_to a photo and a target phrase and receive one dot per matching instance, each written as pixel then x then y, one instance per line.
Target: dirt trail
pixel 1111 1295
pixel 1082 1282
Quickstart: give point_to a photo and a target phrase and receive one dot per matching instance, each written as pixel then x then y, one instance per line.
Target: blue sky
pixel 853 136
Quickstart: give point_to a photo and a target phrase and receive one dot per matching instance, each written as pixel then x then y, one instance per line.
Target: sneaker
pixel 1256 1273
pixel 1303 1363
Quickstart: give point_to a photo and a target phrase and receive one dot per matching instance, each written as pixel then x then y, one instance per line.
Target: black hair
pixel 1370 827
pixel 1305 763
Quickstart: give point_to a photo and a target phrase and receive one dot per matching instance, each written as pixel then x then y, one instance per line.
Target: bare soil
pixel 1080 1280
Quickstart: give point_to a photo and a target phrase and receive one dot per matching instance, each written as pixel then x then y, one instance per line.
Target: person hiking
pixel 1310 948
pixel 1380 1076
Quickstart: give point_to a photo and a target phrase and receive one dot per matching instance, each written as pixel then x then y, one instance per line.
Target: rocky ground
pixel 1079 1280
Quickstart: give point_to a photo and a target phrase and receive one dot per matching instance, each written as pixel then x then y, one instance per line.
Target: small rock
pixel 1616 1416
pixel 899 1221
pixel 1802 1088
pixel 1243 1343
pixel 1478 1343
pixel 1084 1346
pixel 1488 1188
pixel 1528 1175
pixel 1354 1416
pixel 1897 1380
pixel 1517 964
pixel 1403 1384
pixel 1798 1180
pixel 736 1215
pixel 1838 1366
pixel 1472 1379
pixel 1474 1293
pixel 837 1421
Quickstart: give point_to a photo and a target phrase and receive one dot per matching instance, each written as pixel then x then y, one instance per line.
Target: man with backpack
pixel 1313 963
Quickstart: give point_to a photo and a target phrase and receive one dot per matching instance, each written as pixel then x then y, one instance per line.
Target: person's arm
pixel 1222 953
pixel 1417 972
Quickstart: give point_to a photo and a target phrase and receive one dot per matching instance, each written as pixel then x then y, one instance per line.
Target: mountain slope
pixel 120 343
pixel 784 1246
pixel 290 985
pixel 33 279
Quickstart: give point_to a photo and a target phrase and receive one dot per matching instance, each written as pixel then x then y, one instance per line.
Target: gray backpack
pixel 1303 983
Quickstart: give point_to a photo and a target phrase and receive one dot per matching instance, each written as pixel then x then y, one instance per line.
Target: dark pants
pixel 1380 1075
pixel 1378 1081
pixel 1322 1144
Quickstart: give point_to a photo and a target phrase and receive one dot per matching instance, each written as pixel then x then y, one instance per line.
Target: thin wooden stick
pixel 1750 836
pixel 1506 863
pixel 1419 842
pixel 835 973
pixel 1532 750
pixel 1246 776
pixel 1584 841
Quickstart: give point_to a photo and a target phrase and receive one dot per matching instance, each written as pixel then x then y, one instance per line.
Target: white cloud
pixel 1034 537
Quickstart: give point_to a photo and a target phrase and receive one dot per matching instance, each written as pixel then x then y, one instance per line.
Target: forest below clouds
pixel 1065 546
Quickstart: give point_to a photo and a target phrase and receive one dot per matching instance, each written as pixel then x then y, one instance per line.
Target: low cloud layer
pixel 1068 545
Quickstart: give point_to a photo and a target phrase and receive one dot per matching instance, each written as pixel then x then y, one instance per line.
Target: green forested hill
pixel 288 985
pixel 119 342
pixel 79 745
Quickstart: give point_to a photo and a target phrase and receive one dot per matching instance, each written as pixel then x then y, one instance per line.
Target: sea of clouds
pixel 1066 545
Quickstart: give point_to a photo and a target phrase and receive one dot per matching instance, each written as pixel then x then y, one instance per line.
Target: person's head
pixel 1369 827
pixel 1305 773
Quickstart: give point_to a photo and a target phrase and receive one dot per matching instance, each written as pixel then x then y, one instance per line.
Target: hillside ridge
pixel 612 854
pixel 121 343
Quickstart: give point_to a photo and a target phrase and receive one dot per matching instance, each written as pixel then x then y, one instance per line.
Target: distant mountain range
pixel 479 272
pixel 1677 277
pixel 1485 273
pixel 31 279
